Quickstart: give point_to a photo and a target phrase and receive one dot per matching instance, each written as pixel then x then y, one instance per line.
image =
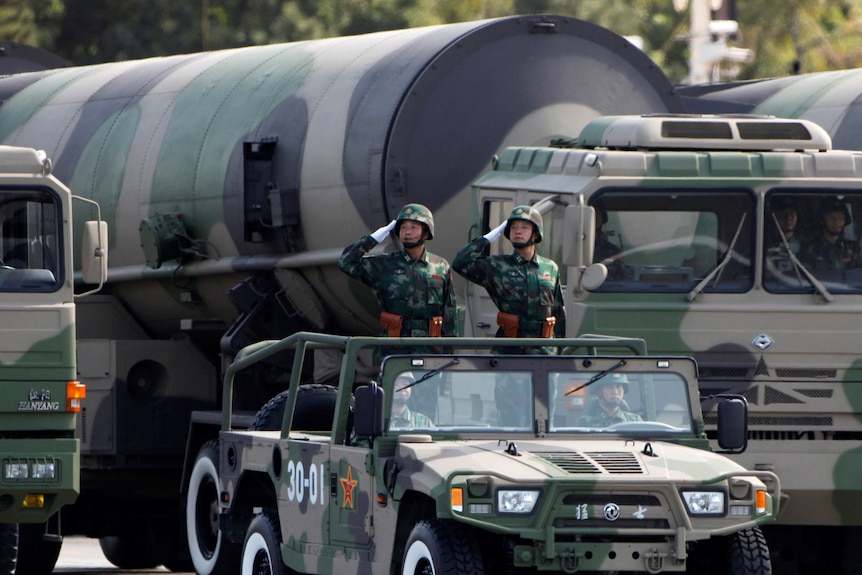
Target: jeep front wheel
pixel 261 554
pixel 748 553
pixel 441 547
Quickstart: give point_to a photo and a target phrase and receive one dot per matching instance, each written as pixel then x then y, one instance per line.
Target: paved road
pixel 82 556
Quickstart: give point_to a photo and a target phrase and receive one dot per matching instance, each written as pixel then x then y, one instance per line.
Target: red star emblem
pixel 348 483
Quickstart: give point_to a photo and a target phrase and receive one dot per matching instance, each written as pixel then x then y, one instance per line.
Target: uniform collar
pixel 409 259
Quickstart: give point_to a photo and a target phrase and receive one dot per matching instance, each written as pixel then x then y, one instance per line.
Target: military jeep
pixel 470 462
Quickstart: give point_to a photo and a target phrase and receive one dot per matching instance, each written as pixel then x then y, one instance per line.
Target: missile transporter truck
pixel 233 180
pixel 40 395
pixel 711 237
pixel 471 462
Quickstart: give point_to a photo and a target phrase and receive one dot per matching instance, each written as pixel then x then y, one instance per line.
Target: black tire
pixel 748 553
pixel 211 552
pixel 129 551
pixel 261 553
pixel 8 548
pixel 36 554
pixel 442 547
pixel 315 408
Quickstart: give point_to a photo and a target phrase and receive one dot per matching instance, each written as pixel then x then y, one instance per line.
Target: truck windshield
pixel 29 241
pixel 812 236
pixel 619 400
pixel 671 240
pixel 507 400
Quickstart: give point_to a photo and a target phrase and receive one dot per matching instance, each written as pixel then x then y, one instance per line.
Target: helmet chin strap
pixel 416 244
pixel 523 244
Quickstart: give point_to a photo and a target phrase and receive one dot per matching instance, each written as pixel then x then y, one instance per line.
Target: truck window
pixel 29 241
pixel 817 230
pixel 670 240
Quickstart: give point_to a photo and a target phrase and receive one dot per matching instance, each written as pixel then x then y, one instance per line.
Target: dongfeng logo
pixel 762 342
pixel 612 511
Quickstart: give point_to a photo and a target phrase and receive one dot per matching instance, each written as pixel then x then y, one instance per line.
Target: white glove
pixel 496 232
pixel 381 234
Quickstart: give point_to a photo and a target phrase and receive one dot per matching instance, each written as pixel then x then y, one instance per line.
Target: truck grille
pixel 594 462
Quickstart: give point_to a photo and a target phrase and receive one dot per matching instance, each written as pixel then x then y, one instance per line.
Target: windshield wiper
pixel 716 271
pixel 598 376
pixel 798 267
pixel 430 374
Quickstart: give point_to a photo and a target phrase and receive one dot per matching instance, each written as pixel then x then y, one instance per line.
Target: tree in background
pixel 787 36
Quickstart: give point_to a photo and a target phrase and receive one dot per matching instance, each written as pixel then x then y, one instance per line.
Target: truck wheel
pixel 315 407
pixel 129 551
pixel 441 547
pixel 36 555
pixel 211 552
pixel 261 553
pixel 748 553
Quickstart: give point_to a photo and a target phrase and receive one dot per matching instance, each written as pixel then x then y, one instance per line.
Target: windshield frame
pixel 544 402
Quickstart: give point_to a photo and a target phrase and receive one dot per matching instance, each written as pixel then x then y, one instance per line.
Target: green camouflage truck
pixel 41 395
pixel 707 236
pixel 470 462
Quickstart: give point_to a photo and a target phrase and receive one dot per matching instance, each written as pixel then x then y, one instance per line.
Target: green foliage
pixel 786 35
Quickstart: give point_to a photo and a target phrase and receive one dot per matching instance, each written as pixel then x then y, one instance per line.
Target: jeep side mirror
pixel 733 425
pixel 368 410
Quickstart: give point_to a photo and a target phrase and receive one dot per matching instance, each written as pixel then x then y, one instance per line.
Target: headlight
pixel 22 470
pixel 705 502
pixel 516 501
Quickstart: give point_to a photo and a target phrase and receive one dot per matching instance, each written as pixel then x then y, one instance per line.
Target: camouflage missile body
pixel 692 210
pixel 478 493
pixel 275 156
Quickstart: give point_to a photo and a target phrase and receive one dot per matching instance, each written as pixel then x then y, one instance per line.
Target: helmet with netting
pixel 528 214
pixel 417 213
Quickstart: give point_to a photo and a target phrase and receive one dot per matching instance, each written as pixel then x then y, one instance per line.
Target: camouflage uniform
pixel 820 254
pixel 595 416
pixel 416 290
pixel 411 419
pixel 529 289
pixel 598 417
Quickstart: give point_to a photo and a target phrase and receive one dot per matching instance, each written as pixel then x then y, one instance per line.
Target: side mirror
pixel 368 410
pixel 580 235
pixel 94 253
pixel 733 425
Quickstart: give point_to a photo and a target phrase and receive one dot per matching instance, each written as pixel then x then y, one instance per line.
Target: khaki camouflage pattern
pixel 347 505
pixel 529 289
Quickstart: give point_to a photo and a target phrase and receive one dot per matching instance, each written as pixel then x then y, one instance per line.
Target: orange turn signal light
pixel 75 392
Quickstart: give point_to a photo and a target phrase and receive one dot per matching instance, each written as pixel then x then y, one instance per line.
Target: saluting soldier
pixel 523 285
pixel 412 285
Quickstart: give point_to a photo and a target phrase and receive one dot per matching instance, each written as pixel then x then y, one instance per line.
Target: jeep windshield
pixel 464 399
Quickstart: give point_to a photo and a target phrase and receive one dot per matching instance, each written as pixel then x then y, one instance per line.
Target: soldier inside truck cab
pixel 829 249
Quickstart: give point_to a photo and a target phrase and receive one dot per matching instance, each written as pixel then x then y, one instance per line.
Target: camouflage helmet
pixel 830 205
pixel 613 379
pixel 529 214
pixel 417 213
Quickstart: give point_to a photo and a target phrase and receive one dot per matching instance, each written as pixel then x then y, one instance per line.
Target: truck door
pixel 352 493
pixel 304 495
